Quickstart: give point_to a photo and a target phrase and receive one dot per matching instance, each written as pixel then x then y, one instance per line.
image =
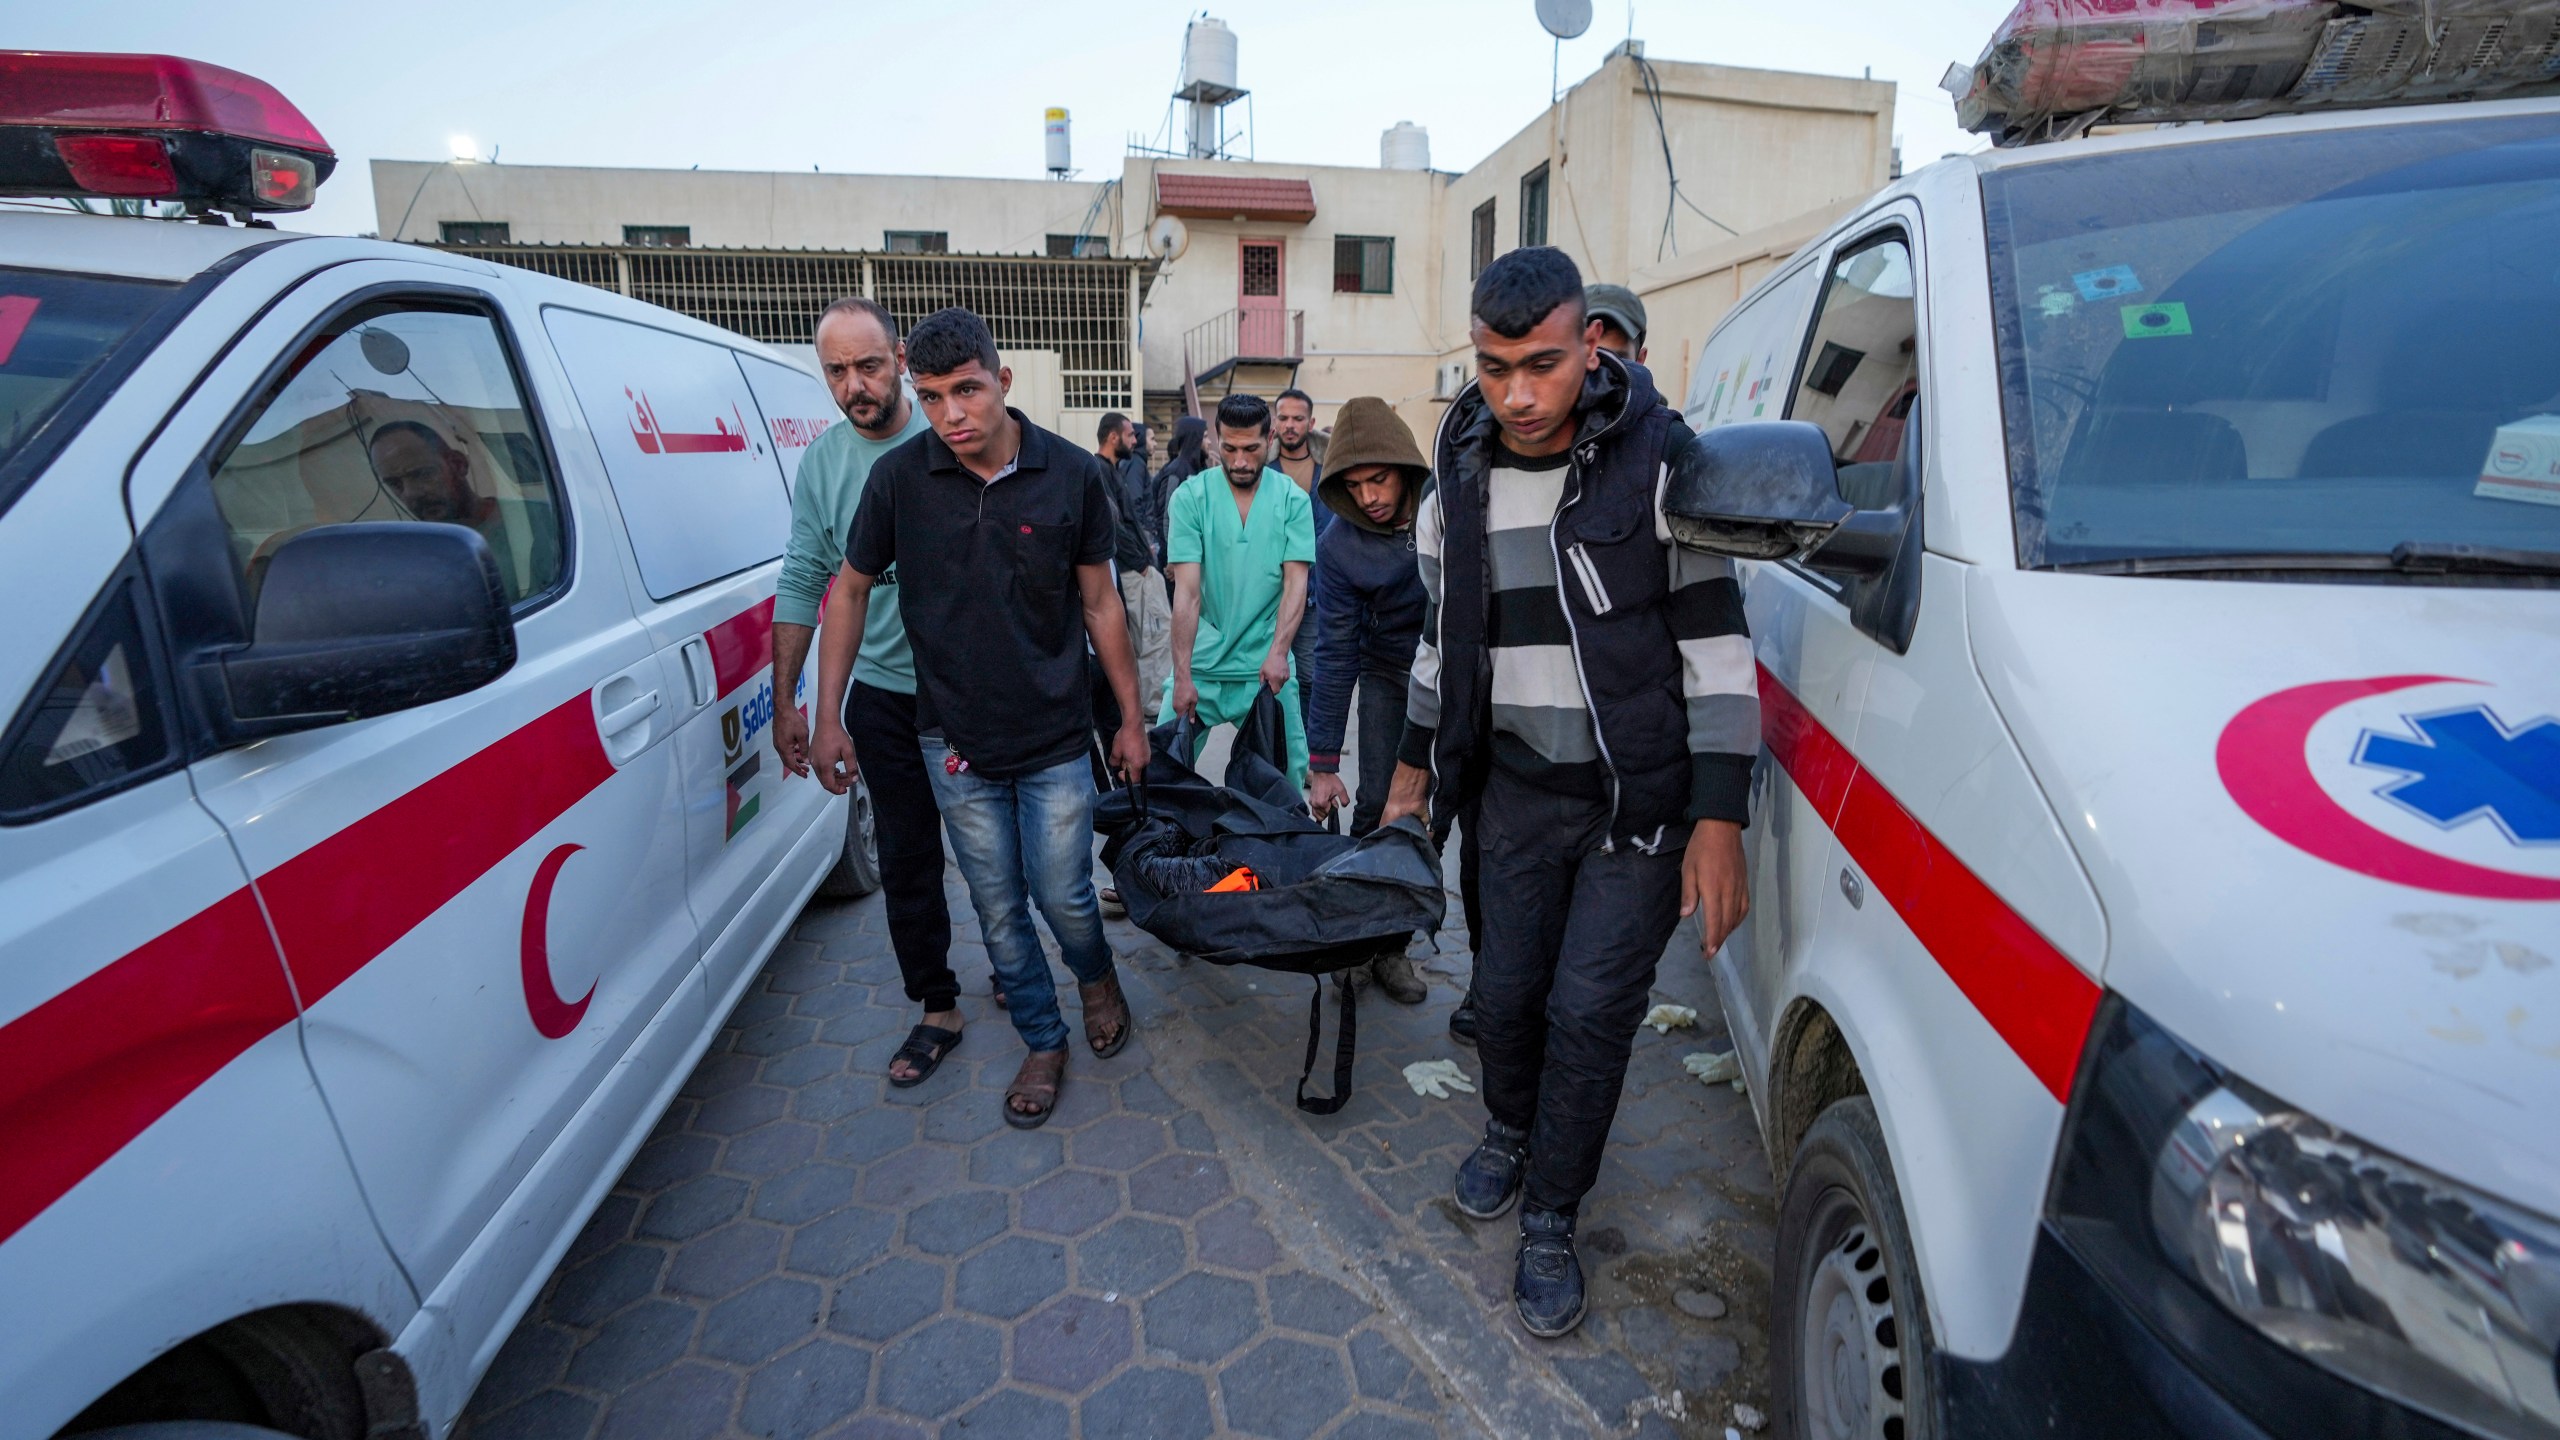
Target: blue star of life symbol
pixel 2462 765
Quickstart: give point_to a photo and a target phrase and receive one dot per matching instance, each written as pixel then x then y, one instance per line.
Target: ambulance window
pixel 94 724
pixel 1861 371
pixel 402 411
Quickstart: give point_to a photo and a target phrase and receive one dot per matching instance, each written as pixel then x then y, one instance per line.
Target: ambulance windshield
pixel 2341 343
pixel 56 330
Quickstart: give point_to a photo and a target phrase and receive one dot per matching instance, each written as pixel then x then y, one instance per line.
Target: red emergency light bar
pixel 2055 67
pixel 154 127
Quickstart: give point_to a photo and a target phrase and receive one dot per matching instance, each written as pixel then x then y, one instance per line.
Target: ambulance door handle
pixel 699 677
pixel 618 725
pixel 1854 888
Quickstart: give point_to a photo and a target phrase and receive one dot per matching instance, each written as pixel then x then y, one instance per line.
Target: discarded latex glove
pixel 1436 1078
pixel 1748 1418
pixel 1666 1018
pixel 1711 1068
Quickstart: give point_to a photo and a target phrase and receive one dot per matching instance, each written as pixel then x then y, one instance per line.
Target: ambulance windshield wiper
pixel 2410 557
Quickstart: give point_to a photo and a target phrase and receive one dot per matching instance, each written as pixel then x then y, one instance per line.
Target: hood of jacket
pixel 1185 449
pixel 1611 393
pixel 1367 432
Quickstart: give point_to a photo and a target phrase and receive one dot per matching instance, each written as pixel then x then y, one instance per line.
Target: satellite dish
pixel 1168 238
pixel 1565 19
pixel 383 350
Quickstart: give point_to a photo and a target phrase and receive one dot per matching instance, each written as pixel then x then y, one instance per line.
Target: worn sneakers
pixel 1489 1178
pixel 1393 972
pixel 1547 1286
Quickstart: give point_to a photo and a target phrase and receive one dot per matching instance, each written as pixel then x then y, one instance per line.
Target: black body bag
pixel 1325 902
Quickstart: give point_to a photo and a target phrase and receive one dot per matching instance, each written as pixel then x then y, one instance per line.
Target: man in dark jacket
pixel 1370 614
pixel 1589 686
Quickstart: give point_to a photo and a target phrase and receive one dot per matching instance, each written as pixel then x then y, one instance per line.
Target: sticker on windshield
pixel 2141 322
pixel 2113 282
pixel 2523 462
pixel 2053 302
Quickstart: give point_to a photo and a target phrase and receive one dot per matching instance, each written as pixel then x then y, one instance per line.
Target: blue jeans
pixel 1018 841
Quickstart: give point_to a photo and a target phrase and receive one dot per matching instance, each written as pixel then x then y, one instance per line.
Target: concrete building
pixel 1184 277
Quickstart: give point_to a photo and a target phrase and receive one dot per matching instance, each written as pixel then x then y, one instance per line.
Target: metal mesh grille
pixel 1077 307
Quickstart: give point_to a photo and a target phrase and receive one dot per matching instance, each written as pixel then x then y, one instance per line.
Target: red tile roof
pixel 1220 197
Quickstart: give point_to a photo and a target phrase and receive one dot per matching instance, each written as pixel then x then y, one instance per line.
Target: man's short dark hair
pixel 1244 412
pixel 1294 393
pixel 1109 427
pixel 947 340
pixel 856 305
pixel 418 428
pixel 1523 288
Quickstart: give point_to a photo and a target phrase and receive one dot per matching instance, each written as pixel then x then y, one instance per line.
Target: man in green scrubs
pixel 1240 539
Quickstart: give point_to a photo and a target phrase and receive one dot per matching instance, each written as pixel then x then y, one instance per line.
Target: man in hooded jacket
pixel 1589 687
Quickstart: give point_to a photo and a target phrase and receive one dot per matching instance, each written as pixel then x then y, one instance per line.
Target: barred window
pixel 917 242
pixel 1480 249
pixel 1074 247
pixel 659 236
pixel 1533 207
pixel 473 232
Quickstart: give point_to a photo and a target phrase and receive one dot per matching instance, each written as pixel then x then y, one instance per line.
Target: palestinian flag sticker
pixel 742 806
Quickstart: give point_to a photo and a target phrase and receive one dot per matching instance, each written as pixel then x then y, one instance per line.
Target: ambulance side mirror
pixel 365 619
pixel 1759 490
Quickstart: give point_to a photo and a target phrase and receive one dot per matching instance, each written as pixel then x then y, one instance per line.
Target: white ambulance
pixel 384 823
pixel 2151 993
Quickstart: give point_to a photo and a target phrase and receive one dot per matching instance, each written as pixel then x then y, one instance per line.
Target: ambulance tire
pixel 857 871
pixel 1850 1353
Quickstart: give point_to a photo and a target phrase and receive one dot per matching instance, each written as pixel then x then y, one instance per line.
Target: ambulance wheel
pixel 857 871
pixel 1850 1352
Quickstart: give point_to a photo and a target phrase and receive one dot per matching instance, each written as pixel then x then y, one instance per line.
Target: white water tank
pixel 1406 147
pixel 1208 54
pixel 1055 142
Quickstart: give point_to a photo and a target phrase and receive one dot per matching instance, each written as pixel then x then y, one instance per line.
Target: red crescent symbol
pixel 2265 766
pixel 553 1016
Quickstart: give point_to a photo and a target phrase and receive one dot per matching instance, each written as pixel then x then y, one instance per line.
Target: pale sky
pixel 957 87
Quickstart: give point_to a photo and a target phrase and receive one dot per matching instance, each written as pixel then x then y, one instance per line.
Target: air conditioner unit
pixel 1451 378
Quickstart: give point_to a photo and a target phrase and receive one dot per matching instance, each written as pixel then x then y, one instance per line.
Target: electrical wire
pixel 1670 172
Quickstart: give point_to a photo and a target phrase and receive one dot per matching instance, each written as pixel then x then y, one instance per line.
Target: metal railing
pixel 1085 309
pixel 1231 338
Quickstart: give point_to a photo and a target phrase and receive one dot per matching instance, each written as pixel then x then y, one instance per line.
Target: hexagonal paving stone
pixel 718 1074
pixel 1130 1257
pixel 1384 1373
pixel 804 1391
pixel 1070 1203
pixel 1013 1415
pixel 1079 1103
pixel 1159 1404
pixel 1191 1132
pixel 843 1242
pixel 804 1194
pixel 724 1260
pixel 777 1035
pixel 1179 1185
pixel 762 1320
pixel 1011 1276
pixel 1071 1344
pixel 867 1136
pixel 888 1299
pixel 961 1119
pixel 694 1207
pixel 549 1414
pixel 688 1401
pixel 1284 1389
pixel 911 1175
pixel 633 1345
pixel 533 1357
pixel 1015 1158
pixel 1382 1427
pixel 1233 1236
pixel 958 1222
pixel 741 1110
pixel 1314 1304
pixel 608 1227
pixel 940 1368
pixel 1142 1094
pixel 668 1160
pixel 770 1149
pixel 823 1102
pixel 1120 1142
pixel 1201 1317
pixel 585 1295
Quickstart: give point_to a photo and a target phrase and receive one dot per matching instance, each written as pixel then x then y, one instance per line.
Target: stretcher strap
pixel 1345 1045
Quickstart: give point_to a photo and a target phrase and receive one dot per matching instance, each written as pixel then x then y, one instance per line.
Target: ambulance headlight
pixel 2369 1266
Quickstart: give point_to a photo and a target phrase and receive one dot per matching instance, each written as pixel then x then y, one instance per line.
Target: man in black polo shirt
pixel 1002 536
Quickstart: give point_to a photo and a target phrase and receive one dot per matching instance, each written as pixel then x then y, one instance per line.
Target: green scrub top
pixel 1239 563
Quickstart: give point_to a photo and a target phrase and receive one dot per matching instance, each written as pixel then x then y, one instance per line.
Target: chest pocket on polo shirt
pixel 1040 559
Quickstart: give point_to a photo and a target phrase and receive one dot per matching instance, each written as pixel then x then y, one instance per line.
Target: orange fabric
pixel 1240 878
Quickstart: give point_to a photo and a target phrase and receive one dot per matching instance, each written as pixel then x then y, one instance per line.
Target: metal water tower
pixel 1055 144
pixel 1208 83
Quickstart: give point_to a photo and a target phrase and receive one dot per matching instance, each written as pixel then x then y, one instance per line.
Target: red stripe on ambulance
pixel 742 645
pixel 2039 1002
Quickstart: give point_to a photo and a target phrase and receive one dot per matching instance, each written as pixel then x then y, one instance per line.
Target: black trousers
pixel 1564 973
pixel 909 829
pixel 1378 707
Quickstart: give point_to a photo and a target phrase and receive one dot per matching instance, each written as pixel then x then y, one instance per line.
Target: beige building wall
pixel 733 209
